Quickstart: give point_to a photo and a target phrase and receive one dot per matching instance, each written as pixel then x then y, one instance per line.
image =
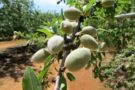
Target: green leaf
pixel 43 72
pixel 62 83
pixel 30 81
pixel 99 56
pixel 70 2
pixel 46 31
pixel 123 1
pixel 96 72
pixel 55 27
pixel 70 76
pixel 87 9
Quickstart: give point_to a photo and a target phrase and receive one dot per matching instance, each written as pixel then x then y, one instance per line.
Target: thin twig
pixel 61 69
pixel 127 15
pixel 57 83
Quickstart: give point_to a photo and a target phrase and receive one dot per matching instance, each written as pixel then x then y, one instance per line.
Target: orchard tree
pixel 87 29
pixel 19 15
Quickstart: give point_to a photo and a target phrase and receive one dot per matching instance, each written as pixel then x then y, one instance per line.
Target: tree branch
pixel 127 15
pixel 67 48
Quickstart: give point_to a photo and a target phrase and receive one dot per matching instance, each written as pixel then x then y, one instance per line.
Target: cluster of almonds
pixel 79 57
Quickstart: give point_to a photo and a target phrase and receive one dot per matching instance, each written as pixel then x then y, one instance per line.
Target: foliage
pixel 19 15
pixel 30 81
pixel 119 73
pixel 116 30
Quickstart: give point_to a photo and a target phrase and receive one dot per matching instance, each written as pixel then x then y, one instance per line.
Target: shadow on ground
pixel 14 60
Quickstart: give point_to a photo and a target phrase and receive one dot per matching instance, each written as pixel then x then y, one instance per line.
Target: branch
pixel 67 48
pixel 61 69
pixel 127 15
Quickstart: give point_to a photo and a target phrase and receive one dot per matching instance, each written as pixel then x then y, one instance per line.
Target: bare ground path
pixel 12 67
pixel 7 44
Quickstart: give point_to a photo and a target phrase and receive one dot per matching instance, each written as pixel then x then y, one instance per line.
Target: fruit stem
pixel 78 28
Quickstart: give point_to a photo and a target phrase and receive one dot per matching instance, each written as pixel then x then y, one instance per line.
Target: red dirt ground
pixel 84 78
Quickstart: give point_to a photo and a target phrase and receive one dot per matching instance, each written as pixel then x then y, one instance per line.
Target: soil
pixel 13 65
pixel 6 44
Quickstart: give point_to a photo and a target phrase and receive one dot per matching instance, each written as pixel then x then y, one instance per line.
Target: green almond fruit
pixel 89 42
pixel 89 30
pixel 68 26
pixel 72 13
pixel 40 55
pixel 107 3
pixel 77 59
pixel 55 44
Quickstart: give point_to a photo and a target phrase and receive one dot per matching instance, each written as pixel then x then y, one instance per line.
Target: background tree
pixel 19 15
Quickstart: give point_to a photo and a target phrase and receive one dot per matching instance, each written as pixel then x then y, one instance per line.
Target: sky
pixel 48 5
